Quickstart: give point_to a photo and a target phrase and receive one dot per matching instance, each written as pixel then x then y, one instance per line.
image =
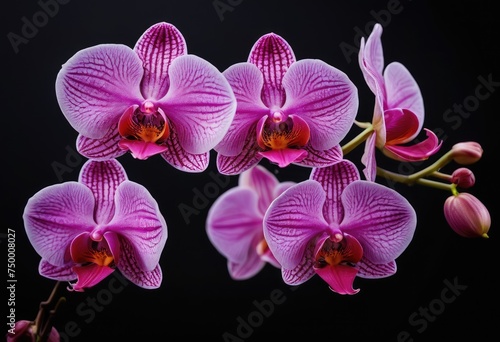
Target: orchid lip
pixel 277 132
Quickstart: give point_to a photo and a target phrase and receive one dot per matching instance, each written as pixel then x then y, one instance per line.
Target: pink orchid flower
pixel 234 222
pixel 399 113
pixel 339 227
pixel 85 230
pixel 152 99
pixel 287 111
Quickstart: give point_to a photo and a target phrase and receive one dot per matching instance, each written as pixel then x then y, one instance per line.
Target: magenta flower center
pixel 145 123
pixel 338 251
pixel 280 132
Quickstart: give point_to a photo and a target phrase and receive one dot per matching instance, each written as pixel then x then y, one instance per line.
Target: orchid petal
pixel 176 156
pixel 242 271
pixel 320 158
pixel 303 271
pixel 234 225
pixel 292 220
pixel 61 273
pixel 403 91
pixel 246 159
pixel 246 81
pixel 89 276
pixel 334 180
pixel 200 103
pixel 103 178
pixel 420 151
pixel 370 270
pixel 263 182
pixel 381 219
pixel 339 277
pixel 138 220
pixel 371 61
pixel 401 126
pixel 368 158
pixel 324 97
pixel 284 157
pixel 157 48
pixel 55 215
pixel 96 85
pixel 141 150
pixel 131 269
pixel 272 47
pixel 104 148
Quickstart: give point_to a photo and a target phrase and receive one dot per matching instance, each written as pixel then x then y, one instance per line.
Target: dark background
pixel 447 49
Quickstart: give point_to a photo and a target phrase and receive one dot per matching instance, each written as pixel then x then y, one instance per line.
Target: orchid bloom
pixel 399 109
pixel 287 111
pixel 234 222
pixel 152 99
pixel 339 227
pixel 85 230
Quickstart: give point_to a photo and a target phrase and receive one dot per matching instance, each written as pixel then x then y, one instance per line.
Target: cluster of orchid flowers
pixel 156 99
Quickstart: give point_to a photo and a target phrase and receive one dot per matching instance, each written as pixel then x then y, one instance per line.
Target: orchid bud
pixel 25 331
pixel 463 177
pixel 467 215
pixel 466 153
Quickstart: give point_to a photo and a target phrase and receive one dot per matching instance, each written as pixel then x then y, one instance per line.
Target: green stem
pixel 360 138
pixel 396 177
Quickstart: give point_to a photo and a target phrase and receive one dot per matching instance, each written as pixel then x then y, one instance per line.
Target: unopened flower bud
pixel 467 215
pixel 463 177
pixel 467 152
pixel 25 331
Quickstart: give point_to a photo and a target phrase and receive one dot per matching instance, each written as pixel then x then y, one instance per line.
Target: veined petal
pixel 131 268
pixel 273 56
pixel 380 218
pixel 263 182
pixel 246 81
pixel 200 103
pixel 104 148
pixel 234 225
pixel 139 221
pixel 334 179
pixel 416 152
pixel 246 159
pixel 371 57
pixel 303 271
pixel 403 92
pixel 320 158
pixel 176 156
pixel 370 270
pixel 103 178
pixel 157 48
pixel 293 219
pixel 55 215
pixel 96 85
pixel 324 97
pixel 61 273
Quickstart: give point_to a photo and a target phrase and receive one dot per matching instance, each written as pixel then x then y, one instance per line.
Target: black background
pixel 447 48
